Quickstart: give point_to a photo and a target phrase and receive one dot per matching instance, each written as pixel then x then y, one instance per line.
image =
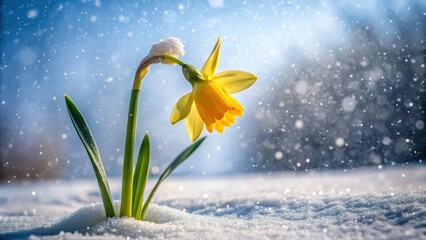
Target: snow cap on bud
pixel 171 46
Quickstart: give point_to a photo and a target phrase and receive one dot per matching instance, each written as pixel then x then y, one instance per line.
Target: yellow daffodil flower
pixel 210 103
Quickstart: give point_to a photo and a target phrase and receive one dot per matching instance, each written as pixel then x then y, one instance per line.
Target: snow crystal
pixel 155 170
pixel 33 13
pixel 375 158
pixel 301 87
pixel 420 124
pixel 279 155
pixel 348 104
pixel 215 3
pixel 386 141
pixel 172 46
pixel 340 142
pixel 93 18
pixel 27 57
pixel 299 124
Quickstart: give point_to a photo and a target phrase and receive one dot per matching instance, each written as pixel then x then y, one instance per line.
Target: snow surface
pixel 366 203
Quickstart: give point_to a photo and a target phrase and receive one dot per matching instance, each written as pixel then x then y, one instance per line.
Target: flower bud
pixel 171 46
pixel 191 73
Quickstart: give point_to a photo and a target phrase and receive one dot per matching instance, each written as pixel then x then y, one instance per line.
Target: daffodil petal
pixel 230 117
pixel 194 123
pixel 219 127
pixel 212 62
pixel 209 128
pixel 181 108
pixel 234 81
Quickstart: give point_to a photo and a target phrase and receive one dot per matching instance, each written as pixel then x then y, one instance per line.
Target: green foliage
pixel 140 177
pixel 141 172
pixel 178 160
pixel 89 143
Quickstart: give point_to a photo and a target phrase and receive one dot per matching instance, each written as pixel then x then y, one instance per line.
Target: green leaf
pixel 178 160
pixel 140 177
pixel 89 143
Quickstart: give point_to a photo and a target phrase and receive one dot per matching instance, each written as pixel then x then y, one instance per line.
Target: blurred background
pixel 341 83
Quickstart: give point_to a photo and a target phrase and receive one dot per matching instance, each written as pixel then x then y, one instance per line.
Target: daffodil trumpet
pixel 209 105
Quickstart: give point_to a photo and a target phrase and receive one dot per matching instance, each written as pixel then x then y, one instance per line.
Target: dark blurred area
pixel 31 160
pixel 357 106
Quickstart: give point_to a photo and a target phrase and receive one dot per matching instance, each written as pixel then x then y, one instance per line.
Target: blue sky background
pixel 90 50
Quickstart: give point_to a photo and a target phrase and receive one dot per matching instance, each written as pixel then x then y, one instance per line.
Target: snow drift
pixel 360 204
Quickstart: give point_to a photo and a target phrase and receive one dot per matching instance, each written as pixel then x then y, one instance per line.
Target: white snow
pixel 172 46
pixel 420 124
pixel 366 203
pixel 348 104
pixel 340 142
pixel 32 13
pixel 301 87
pixel 215 3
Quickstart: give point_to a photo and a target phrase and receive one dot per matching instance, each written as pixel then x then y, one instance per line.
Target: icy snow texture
pixel 171 46
pixel 359 204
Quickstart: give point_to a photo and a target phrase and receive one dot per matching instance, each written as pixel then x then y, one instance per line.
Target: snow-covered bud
pixel 171 46
pixel 166 51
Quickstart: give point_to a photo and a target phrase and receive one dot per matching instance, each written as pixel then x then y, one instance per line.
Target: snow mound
pixel 91 219
pixel 370 216
pixel 362 204
pixel 172 46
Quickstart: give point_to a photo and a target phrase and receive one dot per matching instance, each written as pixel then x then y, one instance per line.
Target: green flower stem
pixel 127 183
pixel 173 59
pixel 147 61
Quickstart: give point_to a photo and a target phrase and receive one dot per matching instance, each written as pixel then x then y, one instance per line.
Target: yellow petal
pixel 194 124
pixel 238 109
pixel 234 81
pixel 216 108
pixel 219 127
pixel 182 108
pixel 230 117
pixel 209 128
pixel 210 100
pixel 212 62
